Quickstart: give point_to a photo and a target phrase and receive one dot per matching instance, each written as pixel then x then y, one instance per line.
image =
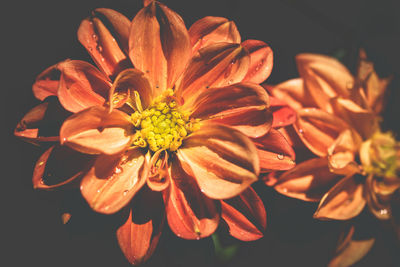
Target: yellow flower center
pixel 162 125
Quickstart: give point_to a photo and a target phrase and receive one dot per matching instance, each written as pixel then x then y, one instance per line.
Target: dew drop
pixel 94 36
pixel 280 156
pixel 98 190
pixel 230 81
pixel 41 163
pixel 284 190
pixel 103 59
pixel 301 131
pixel 99 48
pixel 197 237
pixel 383 211
pixel 125 192
pixel 117 170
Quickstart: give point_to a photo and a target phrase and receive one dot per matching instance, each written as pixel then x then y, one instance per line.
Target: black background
pixel 37 34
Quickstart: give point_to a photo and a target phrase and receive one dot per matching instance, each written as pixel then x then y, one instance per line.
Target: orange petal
pixel 124 86
pixel 159 44
pixel 42 123
pixel 46 83
pixel 159 177
pixel 95 130
pixel 216 65
pixel 283 115
pixel 344 201
pixel 81 85
pixel 274 152
pixel 105 49
pixel 318 129
pixel 324 77
pixel 308 181
pixel 113 180
pixel 379 205
pixel 245 215
pixel 223 160
pixel 353 252
pixel 58 166
pixel 243 106
pixel 138 236
pixel 190 214
pixel 261 61
pixel 210 30
pixel 363 120
pixel 293 93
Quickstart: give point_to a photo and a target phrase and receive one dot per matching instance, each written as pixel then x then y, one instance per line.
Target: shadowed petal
pixel 210 30
pixel 81 85
pixel 344 201
pixel 274 152
pixel 293 93
pixel 58 166
pixel 230 104
pixel 190 214
pixel 245 215
pixel 95 130
pixel 216 65
pixel 46 83
pixel 352 253
pixel 222 159
pixel 101 42
pixel 324 77
pixel 138 236
pixel 318 129
pixel 42 123
pixel 159 44
pixel 159 177
pixel 124 87
pixel 113 180
pixel 261 61
pixel 308 181
pixel 283 115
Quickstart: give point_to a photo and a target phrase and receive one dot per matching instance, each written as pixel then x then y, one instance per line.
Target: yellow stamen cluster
pixel 162 125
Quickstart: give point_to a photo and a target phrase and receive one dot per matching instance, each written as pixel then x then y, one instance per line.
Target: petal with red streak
pixel 210 30
pixel 113 180
pixel 261 61
pixel 81 86
pixel 223 161
pixel 138 236
pixel 245 215
pixel 190 214
pixel 231 104
pixel 59 166
pixel 344 201
pixel 216 65
pixel 318 129
pixel 103 47
pixel 159 44
pixel 274 152
pixel 308 181
pixel 96 130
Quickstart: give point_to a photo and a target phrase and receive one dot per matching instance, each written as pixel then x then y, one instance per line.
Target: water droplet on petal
pixel 125 192
pixel 98 190
pixel 383 211
pixel 117 170
pixel 301 131
pixel 284 190
pixel 99 48
pixel 280 156
pixel 94 36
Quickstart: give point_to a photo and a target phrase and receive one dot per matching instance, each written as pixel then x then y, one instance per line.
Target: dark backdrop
pixel 37 34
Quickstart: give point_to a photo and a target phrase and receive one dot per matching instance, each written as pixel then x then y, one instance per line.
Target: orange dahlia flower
pixel 174 125
pixel 353 162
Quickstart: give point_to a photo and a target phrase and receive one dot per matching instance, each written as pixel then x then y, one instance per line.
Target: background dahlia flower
pixel 352 163
pixel 172 125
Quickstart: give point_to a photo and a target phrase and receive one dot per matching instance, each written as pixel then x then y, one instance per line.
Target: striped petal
pixel 261 61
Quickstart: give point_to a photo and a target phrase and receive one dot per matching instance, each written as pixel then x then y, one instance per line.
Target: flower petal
pixel 318 129
pixel 308 181
pixel 261 61
pixel 216 65
pixel 190 214
pixel 293 93
pixel 159 177
pixel 159 44
pixel 96 130
pixel 210 30
pixel 42 123
pixel 324 77
pixel 274 152
pixel 58 166
pixel 230 104
pixel 352 253
pixel 124 87
pixel 344 201
pixel 245 215
pixel 113 180
pixel 138 236
pixel 102 46
pixel 46 83
pixel 283 115
pixel 223 161
pixel 81 85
